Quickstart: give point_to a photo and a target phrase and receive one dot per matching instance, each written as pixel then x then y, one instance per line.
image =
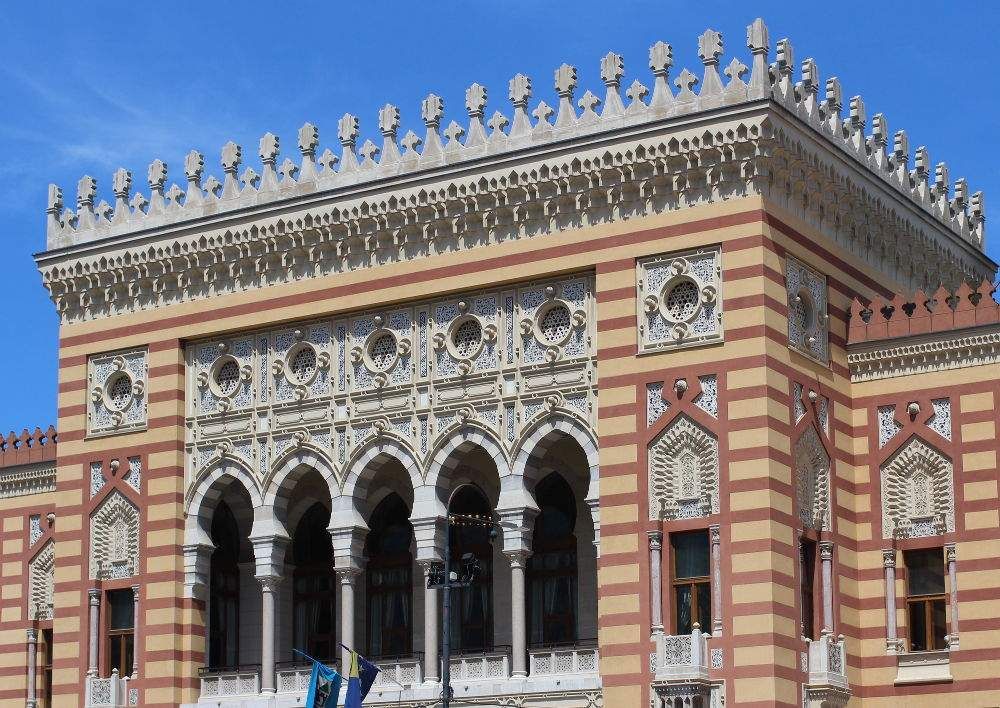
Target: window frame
pixel 931 641
pixel 117 641
pixel 692 582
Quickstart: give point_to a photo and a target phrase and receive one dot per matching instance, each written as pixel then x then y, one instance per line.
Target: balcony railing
pixel 682 657
pixel 828 661
pixel 403 671
pixel 230 681
pixel 110 692
pixel 562 660
pixel 487 666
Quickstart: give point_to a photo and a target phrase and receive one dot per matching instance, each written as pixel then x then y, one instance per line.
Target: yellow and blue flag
pixel 324 687
pixel 360 677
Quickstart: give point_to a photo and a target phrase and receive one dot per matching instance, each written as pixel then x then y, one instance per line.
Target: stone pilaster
pixel 655 581
pixel 826 560
pixel 32 700
pixel 892 643
pixel 94 596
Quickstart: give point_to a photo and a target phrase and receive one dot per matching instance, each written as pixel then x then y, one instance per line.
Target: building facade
pixel 662 339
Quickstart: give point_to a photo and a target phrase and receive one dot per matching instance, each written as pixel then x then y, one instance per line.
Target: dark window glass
pixel 691 581
pixel 389 579
pixel 121 613
pixel 45 669
pixel 224 591
pixel 313 599
pixel 925 599
pixel 808 571
pixel 552 570
pixel 472 607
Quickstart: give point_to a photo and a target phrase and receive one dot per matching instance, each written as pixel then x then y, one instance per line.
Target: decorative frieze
pixel 117 401
pixel 501 358
pixel 925 354
pixel 114 539
pixel 679 299
pixel 918 494
pixel 808 322
pixel 27 479
pixel 683 472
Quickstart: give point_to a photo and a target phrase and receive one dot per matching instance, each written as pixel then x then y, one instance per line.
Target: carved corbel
pixel 439 340
pixel 380 379
pixel 323 360
pixel 356 354
pixel 138 387
pixel 202 379
pixel 403 346
pixel 278 367
pixel 552 354
pixel 490 332
pixel 527 325
pixel 465 367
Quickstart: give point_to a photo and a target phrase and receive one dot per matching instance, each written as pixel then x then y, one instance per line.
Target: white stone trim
pixel 939 351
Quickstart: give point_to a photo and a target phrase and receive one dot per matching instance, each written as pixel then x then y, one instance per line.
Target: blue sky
pixel 117 84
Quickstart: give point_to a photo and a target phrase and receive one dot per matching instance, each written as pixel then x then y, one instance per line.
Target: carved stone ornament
pixel 679 299
pixel 117 402
pixel 812 481
pixel 918 495
pixel 114 539
pixel 808 322
pixel 683 472
pixel 41 583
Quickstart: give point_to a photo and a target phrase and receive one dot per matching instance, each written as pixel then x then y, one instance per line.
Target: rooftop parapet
pixel 921 314
pixel 27 448
pixel 886 155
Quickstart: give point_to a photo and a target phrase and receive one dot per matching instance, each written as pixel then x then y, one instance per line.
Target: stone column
pixel 95 614
pixel 889 563
pixel 826 559
pixel 431 666
pixel 655 581
pixel 518 614
pixel 135 632
pixel 715 537
pixel 32 701
pixel 950 556
pixel 268 590
pixel 348 578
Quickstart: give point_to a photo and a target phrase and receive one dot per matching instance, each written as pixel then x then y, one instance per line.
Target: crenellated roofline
pixel 767 136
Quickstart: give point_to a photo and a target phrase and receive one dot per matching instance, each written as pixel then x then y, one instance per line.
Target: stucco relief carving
pixel 683 472
pixel 679 299
pixel 114 539
pixel 808 322
pixel 917 492
pixel 41 583
pixel 117 392
pixel 812 485
pixel 502 358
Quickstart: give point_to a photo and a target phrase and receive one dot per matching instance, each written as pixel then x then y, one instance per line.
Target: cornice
pixel 939 351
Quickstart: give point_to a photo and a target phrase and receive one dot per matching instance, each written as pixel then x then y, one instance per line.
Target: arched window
pixel 224 591
pixel 313 598
pixel 472 607
pixel 389 579
pixel 552 575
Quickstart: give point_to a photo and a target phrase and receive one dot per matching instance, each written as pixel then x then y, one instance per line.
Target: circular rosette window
pixel 381 352
pixel 554 323
pixel 466 337
pixel 302 363
pixel 681 299
pixel 118 391
pixel 225 377
pixel 802 316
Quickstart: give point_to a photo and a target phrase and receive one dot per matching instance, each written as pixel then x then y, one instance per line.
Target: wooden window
pixel 925 599
pixel 389 579
pixel 691 580
pixel 313 597
pixel 807 588
pixel 121 617
pixel 552 573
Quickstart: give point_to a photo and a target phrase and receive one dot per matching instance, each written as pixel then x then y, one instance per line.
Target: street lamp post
pixel 443 579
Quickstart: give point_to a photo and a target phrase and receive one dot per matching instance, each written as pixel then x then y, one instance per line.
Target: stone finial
pixel 784 56
pixel 810 76
pixel 121 184
pixel 834 101
pixel 269 148
pixel 194 164
pixel 497 122
pixel 880 130
pixel 922 162
pixel 232 157
pixel 686 81
pixel 960 200
pixel 308 139
pixel 388 121
pixel 347 130
pixel 410 142
pixel 475 100
pixel 589 103
pixel 941 178
pixel 858 116
pixel 758 43
pixel 661 58
pixel 542 113
pixel 901 147
pixel 565 84
pixel 369 151
pixel 977 216
pixel 86 191
pixel 55 200
pixel 475 104
pixel 736 70
pixel 519 90
pixel 636 92
pixel 612 69
pixel 453 133
pixel 157 175
pixel 710 47
pixel 431 110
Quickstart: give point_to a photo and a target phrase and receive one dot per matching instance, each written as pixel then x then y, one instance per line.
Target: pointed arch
pixel 288 469
pixel 363 463
pixel 812 480
pixel 41 582
pixel 539 438
pixel 446 455
pixel 205 493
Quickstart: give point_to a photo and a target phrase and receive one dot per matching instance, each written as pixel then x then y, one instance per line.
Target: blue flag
pixel 324 687
pixel 360 677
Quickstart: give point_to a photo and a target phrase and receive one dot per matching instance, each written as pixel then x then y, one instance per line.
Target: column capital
pixel 715 533
pixel 949 553
pixel 889 558
pixel 655 540
pixel 518 558
pixel 518 527
pixel 95 597
pixel 429 535
pixel 826 550
pixel 135 591
pixel 269 583
pixel 32 634
pixel 347 575
pixel 269 554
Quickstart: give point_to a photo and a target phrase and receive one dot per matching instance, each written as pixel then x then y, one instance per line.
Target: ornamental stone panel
pixel 812 485
pixel 683 472
pixel 808 322
pixel 918 497
pixel 41 582
pixel 117 383
pixel 679 299
pixel 114 539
